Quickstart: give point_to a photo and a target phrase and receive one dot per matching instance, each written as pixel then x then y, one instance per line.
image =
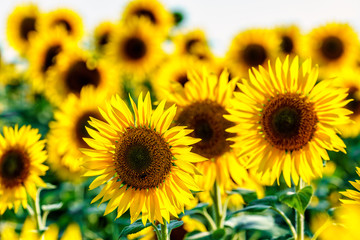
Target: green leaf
pixel 52 207
pixel 247 195
pixel 250 222
pixel 197 209
pixel 251 209
pixel 174 224
pixel 298 200
pixel 268 200
pixel 218 233
pixel 137 226
pixel 200 236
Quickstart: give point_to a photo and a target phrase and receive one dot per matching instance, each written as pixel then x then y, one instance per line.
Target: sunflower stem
pixel 299 216
pixel 164 231
pixel 286 219
pixel 37 213
pixel 209 219
pixel 218 211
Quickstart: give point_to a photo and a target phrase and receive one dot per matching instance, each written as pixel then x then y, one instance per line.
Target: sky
pixel 220 19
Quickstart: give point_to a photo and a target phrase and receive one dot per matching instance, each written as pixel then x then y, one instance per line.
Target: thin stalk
pixel 163 234
pixel 37 213
pixel 287 220
pixel 158 234
pixel 299 216
pixel 218 211
pixel 209 219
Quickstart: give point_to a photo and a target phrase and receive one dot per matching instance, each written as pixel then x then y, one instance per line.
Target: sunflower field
pixel 136 129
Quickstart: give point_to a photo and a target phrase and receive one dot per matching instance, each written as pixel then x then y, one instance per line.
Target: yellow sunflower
pixel 291 42
pixel 286 121
pixel 66 133
pixel 333 45
pixel 193 44
pixel 21 165
pixel 21 24
pixel 101 35
pixel 135 48
pixel 65 18
pixel 45 46
pixel 153 10
pixel 251 48
pixel 29 232
pixel 202 106
pixel 350 78
pixel 353 195
pixel 75 69
pixel 145 165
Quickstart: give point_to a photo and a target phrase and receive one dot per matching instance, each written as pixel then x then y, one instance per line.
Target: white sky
pixel 220 19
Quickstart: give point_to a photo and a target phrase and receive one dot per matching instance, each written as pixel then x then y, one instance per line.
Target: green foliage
pixel 298 200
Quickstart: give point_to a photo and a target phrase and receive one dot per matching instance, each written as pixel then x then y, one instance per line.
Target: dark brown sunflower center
pixel 27 25
pixel 354 105
pixel 65 24
pixel 206 118
pixel 14 167
pixel 182 79
pixel 332 48
pixel 289 121
pixel 134 48
pixel 146 13
pixel 143 159
pixel 103 39
pixel 286 45
pixel 190 44
pixel 50 55
pixel 79 75
pixel 82 122
pixel 254 55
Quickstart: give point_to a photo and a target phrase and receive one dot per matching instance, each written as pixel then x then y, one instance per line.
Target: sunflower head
pixel 21 165
pixel 291 40
pixel 21 24
pixel 283 118
pixel 144 164
pixel 101 35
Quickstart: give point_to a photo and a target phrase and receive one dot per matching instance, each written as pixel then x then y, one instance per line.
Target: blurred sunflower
pixel 353 195
pixel 145 165
pixel 29 232
pixel 251 48
pixel 202 105
pixel 65 18
pixel 135 48
pixel 286 121
pixel 45 46
pixel 66 133
pixel 193 44
pixel 102 34
pixel 153 10
pixel 76 69
pixel 350 78
pixel 21 165
pixel 21 24
pixel 291 40
pixel 333 45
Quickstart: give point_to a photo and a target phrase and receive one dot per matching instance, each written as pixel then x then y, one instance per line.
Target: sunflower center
pixel 27 25
pixel 332 48
pixel 14 167
pixel 289 121
pixel 146 13
pixel 65 24
pixel 182 79
pixel 354 105
pixel 206 118
pixel 82 122
pixel 134 48
pixel 287 44
pixel 254 55
pixel 142 158
pixel 50 55
pixel 79 75
pixel 190 44
pixel 103 39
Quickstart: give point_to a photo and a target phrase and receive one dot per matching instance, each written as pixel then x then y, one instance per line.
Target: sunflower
pixel 21 158
pixel 286 121
pixel 193 43
pixel 353 195
pixel 350 79
pixel 66 133
pixel 291 40
pixel 29 232
pixel 75 69
pixel 135 48
pixel 45 47
pixel 145 164
pixel 102 34
pixel 202 106
pixel 333 45
pixel 153 10
pixel 21 24
pixel 251 48
pixel 65 18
